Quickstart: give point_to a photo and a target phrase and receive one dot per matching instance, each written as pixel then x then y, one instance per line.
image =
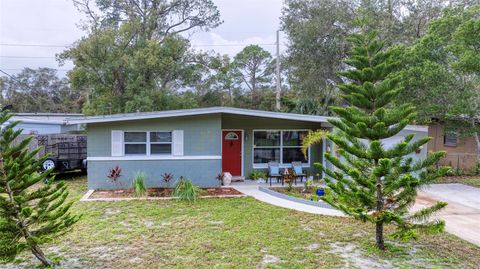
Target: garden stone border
pixel 295 199
pixel 86 198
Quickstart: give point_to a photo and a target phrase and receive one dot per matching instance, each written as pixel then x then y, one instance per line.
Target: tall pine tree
pixel 371 182
pixel 29 215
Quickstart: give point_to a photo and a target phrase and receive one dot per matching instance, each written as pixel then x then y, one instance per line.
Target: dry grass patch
pixel 233 233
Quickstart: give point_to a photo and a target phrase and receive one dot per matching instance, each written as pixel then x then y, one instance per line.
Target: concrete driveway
pixel 462 214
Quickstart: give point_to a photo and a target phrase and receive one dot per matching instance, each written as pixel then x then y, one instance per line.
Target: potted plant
pixel 320 191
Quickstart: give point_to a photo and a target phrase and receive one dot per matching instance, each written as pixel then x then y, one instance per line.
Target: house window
pixel 135 143
pixel 450 139
pixel 284 147
pixel 292 146
pixel 148 143
pixel 160 143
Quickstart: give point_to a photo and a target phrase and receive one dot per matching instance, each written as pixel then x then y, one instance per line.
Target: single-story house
pixel 201 143
pixel 46 123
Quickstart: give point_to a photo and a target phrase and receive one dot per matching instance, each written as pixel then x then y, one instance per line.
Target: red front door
pixel 232 152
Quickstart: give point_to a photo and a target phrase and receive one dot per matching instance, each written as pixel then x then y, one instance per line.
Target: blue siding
pixel 202 172
pixel 201 133
pixel 202 137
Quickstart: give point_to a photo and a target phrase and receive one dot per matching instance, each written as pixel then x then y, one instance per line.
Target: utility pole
pixel 279 85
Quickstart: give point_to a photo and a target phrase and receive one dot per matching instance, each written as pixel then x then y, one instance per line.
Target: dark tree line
pixel 39 90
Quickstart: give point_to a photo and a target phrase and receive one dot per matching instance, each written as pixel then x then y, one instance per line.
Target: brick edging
pixel 86 197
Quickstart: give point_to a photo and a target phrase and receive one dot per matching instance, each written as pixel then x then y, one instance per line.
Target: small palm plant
pixel 185 190
pixel 139 184
pixel 313 138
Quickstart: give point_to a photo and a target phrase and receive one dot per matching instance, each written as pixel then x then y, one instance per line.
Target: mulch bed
pixel 163 192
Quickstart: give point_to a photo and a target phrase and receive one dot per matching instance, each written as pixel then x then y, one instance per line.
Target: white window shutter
pixel 117 143
pixel 177 143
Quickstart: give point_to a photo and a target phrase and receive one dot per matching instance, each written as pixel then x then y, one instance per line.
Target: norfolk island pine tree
pixel 29 216
pixel 370 182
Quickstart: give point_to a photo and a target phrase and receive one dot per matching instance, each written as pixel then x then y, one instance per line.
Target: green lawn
pixel 473 181
pixel 234 233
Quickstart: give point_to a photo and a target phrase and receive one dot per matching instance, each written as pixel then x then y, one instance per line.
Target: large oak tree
pixel 134 58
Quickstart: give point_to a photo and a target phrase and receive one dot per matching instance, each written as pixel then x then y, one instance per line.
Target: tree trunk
pixel 379 225
pixel 40 256
pixel 379 235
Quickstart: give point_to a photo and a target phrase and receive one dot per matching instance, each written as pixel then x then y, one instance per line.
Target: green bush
pixel 185 190
pixel 257 175
pixel 139 184
pixel 309 185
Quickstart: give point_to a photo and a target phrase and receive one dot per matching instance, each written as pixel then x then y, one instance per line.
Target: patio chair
pixel 274 172
pixel 298 170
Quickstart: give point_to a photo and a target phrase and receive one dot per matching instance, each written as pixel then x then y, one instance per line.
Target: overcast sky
pixel 54 22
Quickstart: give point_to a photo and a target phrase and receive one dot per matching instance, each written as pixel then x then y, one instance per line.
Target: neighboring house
pixel 201 143
pixel 46 123
pixel 461 151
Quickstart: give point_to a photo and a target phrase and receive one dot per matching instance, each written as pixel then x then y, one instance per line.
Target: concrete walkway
pixel 462 214
pixel 251 189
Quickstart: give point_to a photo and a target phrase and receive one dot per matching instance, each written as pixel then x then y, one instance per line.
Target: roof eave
pixel 242 112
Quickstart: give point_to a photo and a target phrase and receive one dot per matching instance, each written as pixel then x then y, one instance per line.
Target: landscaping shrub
pixel 167 178
pixel 309 185
pixel 138 184
pixel 114 174
pixel 185 190
pixel 257 175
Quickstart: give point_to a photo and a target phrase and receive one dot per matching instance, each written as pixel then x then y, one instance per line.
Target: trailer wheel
pixel 48 164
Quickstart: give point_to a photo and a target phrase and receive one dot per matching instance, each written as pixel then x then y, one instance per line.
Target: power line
pixel 19 69
pixel 33 45
pixel 14 78
pixel 23 83
pixel 27 57
pixel 52 57
pixel 193 45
